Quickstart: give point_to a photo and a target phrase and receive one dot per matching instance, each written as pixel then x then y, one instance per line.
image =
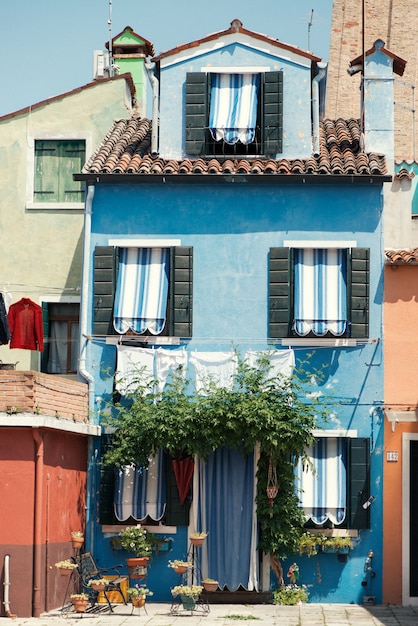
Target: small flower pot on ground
pixel 79 601
pixel 210 585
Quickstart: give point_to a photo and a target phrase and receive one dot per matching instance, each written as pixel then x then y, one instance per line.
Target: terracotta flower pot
pixel 197 541
pixel 137 567
pixel 98 586
pixel 210 585
pixel 138 601
pixel 181 569
pixel 77 542
pixel 80 604
pixel 65 571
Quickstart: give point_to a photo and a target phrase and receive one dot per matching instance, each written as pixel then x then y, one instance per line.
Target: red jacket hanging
pixel 26 327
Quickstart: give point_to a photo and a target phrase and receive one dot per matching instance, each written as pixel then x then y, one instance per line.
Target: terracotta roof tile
pixel 402 257
pixel 126 149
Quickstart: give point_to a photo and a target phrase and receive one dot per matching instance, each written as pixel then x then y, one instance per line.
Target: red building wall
pixel 43 490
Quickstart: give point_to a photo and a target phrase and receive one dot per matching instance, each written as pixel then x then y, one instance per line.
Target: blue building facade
pixel 253 216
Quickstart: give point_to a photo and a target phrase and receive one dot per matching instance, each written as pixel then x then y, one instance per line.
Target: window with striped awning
pixel 142 290
pixel 322 483
pixel 233 107
pixel 320 292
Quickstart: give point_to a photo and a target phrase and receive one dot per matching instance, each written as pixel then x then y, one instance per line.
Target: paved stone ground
pixel 230 614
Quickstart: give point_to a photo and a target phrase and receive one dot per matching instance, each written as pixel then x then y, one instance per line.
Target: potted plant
pixel 98 584
pixel 209 584
pixel 180 567
pixel 188 595
pixel 290 595
pixel 138 595
pixel 135 539
pixel 77 538
pixel 79 601
pixel 66 567
pixel 309 543
pixel 197 539
pixel 341 545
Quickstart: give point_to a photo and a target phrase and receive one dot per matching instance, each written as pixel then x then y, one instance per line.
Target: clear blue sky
pixel 46 46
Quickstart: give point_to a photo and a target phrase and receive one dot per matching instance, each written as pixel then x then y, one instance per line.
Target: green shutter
pixel 358 283
pixel 181 291
pixel 358 490
pixel 280 292
pixel 45 323
pixel 272 120
pixel 107 485
pixel 176 514
pixel 196 112
pixel 55 164
pixel 105 276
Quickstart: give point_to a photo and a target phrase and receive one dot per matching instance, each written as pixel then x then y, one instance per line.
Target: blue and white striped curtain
pixel 233 107
pixel 320 292
pixel 224 494
pixel 323 489
pixel 142 290
pixel 141 492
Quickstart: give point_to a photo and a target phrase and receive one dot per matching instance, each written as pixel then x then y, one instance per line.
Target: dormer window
pixel 234 113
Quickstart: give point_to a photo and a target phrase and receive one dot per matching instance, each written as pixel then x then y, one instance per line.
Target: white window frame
pixel 30 180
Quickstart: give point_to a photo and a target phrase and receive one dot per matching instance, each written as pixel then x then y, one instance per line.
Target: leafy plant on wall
pixel 274 412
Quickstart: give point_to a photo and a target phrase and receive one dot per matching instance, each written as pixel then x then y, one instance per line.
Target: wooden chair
pixel 88 570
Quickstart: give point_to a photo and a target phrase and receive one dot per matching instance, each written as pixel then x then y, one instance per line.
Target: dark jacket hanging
pixel 4 323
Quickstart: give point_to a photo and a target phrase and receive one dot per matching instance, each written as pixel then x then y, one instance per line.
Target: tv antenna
pixel 109 23
pixel 309 29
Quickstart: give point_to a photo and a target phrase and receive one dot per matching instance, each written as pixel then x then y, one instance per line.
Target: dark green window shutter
pixel 196 112
pixel 358 284
pixel 72 158
pixel 107 485
pixel 176 514
pixel 181 291
pixel 45 323
pixel 280 292
pixel 358 490
pixel 105 275
pixel 272 115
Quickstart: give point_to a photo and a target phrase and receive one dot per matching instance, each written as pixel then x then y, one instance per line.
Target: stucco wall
pixel 41 249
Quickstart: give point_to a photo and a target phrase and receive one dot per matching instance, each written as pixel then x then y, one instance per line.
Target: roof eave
pixel 360 179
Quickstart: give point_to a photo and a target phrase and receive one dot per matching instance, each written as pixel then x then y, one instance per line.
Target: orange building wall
pixel 401 394
pixel 62 501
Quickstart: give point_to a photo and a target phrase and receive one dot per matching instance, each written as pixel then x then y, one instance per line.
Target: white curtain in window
pixel 142 290
pixel 233 107
pixel 320 292
pixel 141 492
pixel 322 487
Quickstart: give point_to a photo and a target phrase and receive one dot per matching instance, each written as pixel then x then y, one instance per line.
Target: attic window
pixel 233 107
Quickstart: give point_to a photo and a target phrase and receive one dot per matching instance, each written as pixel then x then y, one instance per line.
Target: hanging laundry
pixel 4 323
pixel 135 367
pixel 167 361
pixel 218 368
pixel 26 327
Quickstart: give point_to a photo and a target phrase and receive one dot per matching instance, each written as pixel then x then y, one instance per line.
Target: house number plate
pixel 392 455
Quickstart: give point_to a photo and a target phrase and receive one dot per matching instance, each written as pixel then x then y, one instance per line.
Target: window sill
pixel 151 340
pixel 337 342
pixel 54 206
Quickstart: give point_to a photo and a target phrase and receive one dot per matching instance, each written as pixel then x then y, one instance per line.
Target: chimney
pixel 380 66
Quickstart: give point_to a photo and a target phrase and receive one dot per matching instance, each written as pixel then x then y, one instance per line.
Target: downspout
pixel 6 584
pixel 152 75
pixel 315 107
pixel 37 539
pixel 82 365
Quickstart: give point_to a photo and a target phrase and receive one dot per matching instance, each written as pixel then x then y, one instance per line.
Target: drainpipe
pixel 37 539
pixel 82 365
pixel 6 584
pixel 152 75
pixel 315 106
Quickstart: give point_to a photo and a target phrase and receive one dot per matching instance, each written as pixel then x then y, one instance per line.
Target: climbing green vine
pixel 276 413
